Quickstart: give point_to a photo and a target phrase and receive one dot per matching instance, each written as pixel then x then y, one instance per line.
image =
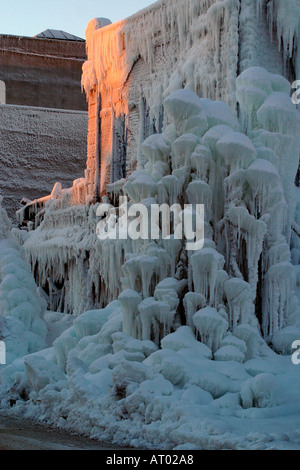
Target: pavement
pixel 18 434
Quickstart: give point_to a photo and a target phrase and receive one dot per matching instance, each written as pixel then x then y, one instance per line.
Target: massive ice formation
pixel 246 182
pixel 244 175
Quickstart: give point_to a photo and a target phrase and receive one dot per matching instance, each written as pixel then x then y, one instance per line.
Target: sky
pixel 30 17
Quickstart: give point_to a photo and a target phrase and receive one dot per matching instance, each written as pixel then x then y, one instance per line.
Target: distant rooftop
pixel 57 34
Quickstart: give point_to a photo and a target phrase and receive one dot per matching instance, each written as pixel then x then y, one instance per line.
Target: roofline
pixel 152 7
pixel 34 38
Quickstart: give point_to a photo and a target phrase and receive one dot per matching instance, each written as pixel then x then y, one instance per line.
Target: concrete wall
pixel 39 147
pixel 42 72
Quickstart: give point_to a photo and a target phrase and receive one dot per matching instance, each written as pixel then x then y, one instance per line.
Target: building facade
pixel 42 72
pixel 43 116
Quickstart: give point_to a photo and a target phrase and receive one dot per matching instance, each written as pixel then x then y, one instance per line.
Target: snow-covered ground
pixel 196 350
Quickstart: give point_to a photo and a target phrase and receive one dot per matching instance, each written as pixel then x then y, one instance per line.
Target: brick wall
pixel 42 72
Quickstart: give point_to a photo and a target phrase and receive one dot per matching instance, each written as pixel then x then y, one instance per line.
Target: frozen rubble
pixel 194 351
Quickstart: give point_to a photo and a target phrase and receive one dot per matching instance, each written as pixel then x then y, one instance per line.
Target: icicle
pixel 192 303
pixel 211 327
pixel 129 300
pixel 240 300
pixel 278 285
pixel 182 148
pixel 205 264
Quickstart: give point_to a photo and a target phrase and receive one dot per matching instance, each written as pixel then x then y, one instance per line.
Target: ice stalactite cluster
pixel 88 80
pixel 246 182
pixel 274 130
pixel 21 308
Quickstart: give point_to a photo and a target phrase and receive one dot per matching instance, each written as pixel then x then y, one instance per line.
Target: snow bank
pixel 21 309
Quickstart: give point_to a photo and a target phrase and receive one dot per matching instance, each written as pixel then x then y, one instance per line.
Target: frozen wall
pixel 194 44
pixel 38 147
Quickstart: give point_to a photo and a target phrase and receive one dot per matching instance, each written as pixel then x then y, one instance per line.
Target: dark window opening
pixel 118 170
